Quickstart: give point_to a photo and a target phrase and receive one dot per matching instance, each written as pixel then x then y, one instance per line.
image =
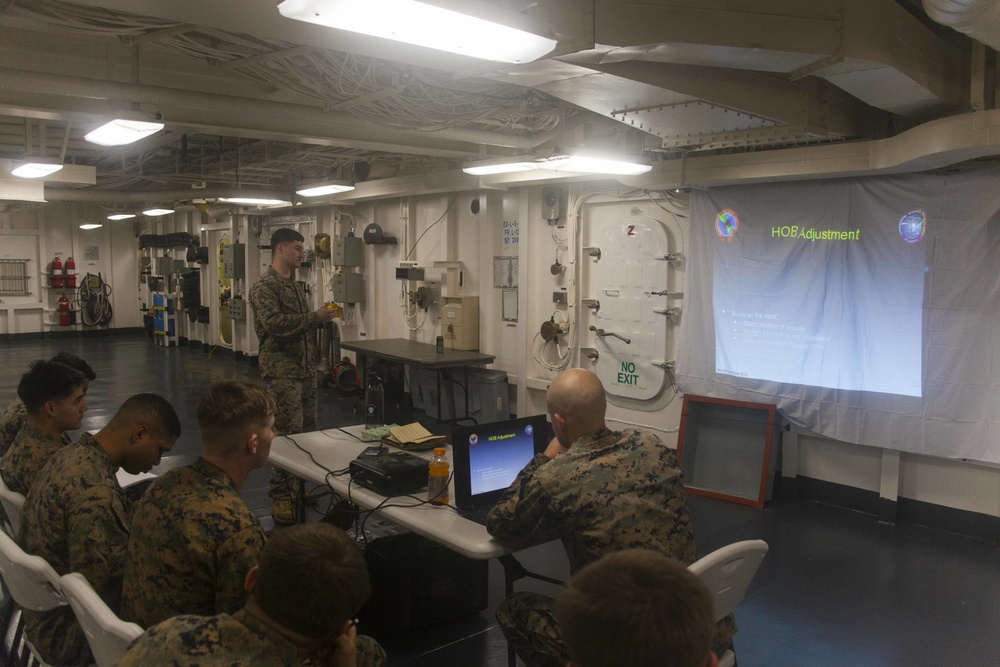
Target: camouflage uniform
pixel 286 328
pixel 23 463
pixel 11 424
pixel 192 542
pixel 76 518
pixel 239 640
pixel 611 491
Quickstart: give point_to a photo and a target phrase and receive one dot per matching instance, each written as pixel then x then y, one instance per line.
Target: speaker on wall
pixel 551 203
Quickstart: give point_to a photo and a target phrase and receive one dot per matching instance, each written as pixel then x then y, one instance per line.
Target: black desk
pixel 421 355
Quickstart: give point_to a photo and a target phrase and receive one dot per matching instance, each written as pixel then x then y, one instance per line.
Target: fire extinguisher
pixel 70 272
pixel 63 309
pixel 57 273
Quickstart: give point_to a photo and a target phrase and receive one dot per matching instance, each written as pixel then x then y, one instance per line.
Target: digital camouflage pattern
pixel 285 326
pixel 193 539
pixel 11 423
pixel 23 463
pixel 609 492
pixel 239 640
pixel 76 518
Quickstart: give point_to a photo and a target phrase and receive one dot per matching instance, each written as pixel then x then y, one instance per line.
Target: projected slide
pixel 820 296
pixel 495 457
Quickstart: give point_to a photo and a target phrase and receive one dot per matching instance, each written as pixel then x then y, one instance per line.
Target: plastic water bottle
pixel 437 478
pixel 374 402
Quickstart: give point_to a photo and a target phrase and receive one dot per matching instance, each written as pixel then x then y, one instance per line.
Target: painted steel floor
pixel 837 588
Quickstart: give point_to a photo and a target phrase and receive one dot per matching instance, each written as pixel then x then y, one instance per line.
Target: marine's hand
pixel 325 314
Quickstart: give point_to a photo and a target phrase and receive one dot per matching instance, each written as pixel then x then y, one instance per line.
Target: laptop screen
pixel 489 456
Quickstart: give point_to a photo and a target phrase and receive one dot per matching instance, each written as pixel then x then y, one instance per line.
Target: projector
pixel 392 474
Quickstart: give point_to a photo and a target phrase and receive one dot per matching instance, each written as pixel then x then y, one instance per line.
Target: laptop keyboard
pixel 476 513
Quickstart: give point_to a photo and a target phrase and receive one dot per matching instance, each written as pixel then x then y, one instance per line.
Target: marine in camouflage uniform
pixel 77 519
pixel 193 539
pixel 286 329
pixel 11 423
pixel 31 450
pixel 609 492
pixel 239 640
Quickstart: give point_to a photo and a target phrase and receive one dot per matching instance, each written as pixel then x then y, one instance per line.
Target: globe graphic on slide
pixel 726 223
pixel 913 225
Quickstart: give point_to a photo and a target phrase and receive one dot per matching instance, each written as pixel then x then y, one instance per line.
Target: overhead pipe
pixel 155 196
pixel 979 19
pixel 131 93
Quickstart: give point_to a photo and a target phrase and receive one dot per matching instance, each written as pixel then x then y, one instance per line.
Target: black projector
pixel 390 474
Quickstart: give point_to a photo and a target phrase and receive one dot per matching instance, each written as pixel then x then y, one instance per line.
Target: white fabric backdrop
pixel 958 414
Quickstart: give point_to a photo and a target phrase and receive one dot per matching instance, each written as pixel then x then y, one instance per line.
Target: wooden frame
pixel 761 415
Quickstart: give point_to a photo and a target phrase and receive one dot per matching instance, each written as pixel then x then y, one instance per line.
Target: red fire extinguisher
pixel 63 309
pixel 70 272
pixel 57 272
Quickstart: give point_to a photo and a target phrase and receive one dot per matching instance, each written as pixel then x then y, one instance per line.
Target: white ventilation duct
pixel 979 19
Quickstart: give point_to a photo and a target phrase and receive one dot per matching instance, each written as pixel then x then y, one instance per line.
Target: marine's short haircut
pixel 284 235
pixel 152 410
pixel 76 362
pixel 636 608
pixel 312 579
pixel 230 407
pixel 47 381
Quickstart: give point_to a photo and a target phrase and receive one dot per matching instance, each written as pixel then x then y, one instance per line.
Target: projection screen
pixel 867 309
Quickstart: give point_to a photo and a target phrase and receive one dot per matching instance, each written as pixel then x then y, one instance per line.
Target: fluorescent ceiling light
pixel 580 163
pixel 35 169
pixel 494 167
pixel 589 164
pixel 255 201
pixel 121 131
pixel 325 188
pixel 91 225
pixel 121 216
pixel 158 211
pixel 424 25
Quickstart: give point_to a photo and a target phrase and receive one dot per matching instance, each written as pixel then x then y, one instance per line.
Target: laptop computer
pixel 488 458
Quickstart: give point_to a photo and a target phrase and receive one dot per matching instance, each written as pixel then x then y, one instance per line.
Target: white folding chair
pixel 728 572
pixel 32 582
pixel 13 504
pixel 107 634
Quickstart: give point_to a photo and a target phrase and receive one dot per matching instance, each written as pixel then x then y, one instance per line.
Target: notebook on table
pixel 489 456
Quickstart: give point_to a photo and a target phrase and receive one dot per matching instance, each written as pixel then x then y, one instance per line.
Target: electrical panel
pixel 239 260
pixel 164 265
pixel 348 251
pixel 409 273
pixel 349 288
pixel 460 322
pixel 234 260
pixel 227 261
pixel 236 309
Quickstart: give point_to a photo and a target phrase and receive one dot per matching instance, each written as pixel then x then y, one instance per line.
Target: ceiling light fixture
pixel 121 216
pixel 255 201
pixel 153 212
pixel 35 169
pixel 487 167
pixel 427 25
pixel 327 187
pixel 121 131
pixel 582 163
pixel 91 225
